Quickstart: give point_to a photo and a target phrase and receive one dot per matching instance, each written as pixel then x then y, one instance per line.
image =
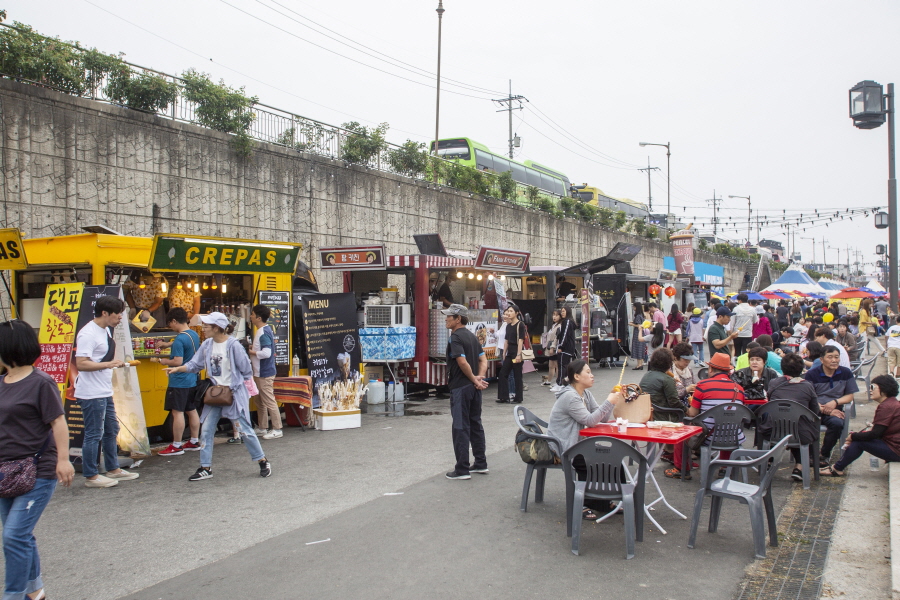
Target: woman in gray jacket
pixel 574 410
pixel 226 363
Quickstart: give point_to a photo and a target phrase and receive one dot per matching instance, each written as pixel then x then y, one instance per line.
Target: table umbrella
pixel 853 293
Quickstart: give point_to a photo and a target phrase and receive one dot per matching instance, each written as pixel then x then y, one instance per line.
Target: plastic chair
pixel 756 497
pixel 784 416
pixel 730 419
pixel 604 459
pixel 858 369
pixel 678 413
pixel 523 417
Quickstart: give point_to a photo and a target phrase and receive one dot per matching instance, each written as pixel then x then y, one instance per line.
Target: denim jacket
pixel 240 372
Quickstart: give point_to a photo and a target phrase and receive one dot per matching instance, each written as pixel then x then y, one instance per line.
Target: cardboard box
pixel 374 372
pixel 338 419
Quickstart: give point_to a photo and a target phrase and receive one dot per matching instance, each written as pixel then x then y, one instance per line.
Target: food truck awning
pixel 621 253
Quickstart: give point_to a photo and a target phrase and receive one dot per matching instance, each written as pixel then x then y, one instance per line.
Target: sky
pixel 752 97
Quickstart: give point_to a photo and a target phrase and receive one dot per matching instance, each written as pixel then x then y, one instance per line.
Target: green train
pixel 470 153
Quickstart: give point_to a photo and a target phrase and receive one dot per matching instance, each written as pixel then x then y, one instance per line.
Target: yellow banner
pixel 12 252
pixel 60 316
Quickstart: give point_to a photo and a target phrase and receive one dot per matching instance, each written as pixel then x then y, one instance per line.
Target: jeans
pixel 877 448
pixel 698 351
pixel 19 516
pixel 833 428
pixel 208 432
pixel 100 429
pixel 516 369
pixel 465 408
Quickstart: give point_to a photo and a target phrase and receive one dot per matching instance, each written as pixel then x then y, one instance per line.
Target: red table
pixel 755 402
pixel 655 440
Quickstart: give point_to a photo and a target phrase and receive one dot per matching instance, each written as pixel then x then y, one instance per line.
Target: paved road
pixel 238 535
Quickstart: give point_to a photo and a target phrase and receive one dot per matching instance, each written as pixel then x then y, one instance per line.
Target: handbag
pixel 527 350
pixel 218 395
pixel 636 411
pixel 17 477
pixel 535 451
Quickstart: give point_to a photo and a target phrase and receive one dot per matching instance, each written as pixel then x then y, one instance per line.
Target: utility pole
pixel 508 103
pixel 649 189
pixel 437 105
pixel 715 203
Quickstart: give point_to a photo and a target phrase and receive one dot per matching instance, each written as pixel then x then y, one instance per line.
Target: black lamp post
pixel 869 108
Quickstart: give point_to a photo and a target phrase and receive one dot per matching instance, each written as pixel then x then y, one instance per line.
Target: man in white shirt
pixel 892 342
pixel 825 336
pixel 745 317
pixel 95 351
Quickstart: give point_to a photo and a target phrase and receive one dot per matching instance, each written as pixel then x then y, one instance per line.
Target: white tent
pixel 795 279
pixel 875 286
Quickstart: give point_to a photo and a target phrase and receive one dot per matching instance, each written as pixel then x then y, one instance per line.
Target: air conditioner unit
pixel 387 315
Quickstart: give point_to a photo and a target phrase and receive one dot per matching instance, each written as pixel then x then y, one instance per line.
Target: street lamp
pixel 814 247
pixel 668 176
pixel 437 103
pixel 869 107
pixel 749 215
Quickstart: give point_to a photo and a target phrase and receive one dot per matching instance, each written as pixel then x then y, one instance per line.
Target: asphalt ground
pixel 240 535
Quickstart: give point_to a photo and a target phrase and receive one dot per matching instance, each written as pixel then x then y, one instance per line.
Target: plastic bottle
pixel 398 390
pixel 390 392
pixel 295 366
pixel 375 395
pixel 873 463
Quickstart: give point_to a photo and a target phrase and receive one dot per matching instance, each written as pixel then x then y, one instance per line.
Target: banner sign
pixel 499 259
pixel 12 252
pixel 221 255
pixel 333 349
pixel 683 249
pixel 279 303
pixel 585 300
pixel 353 258
pixel 57 332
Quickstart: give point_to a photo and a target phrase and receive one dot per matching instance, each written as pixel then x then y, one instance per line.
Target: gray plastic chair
pixel 756 497
pixel 730 420
pixel 523 417
pixel 604 459
pixel 785 416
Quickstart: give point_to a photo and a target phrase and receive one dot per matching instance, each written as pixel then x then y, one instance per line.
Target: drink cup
pixel 623 426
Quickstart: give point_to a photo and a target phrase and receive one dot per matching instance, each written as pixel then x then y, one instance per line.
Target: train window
pixel 534 178
pixel 483 159
pixel 518 173
pixel 501 165
pixel 586 196
pixel 453 149
pixel 551 184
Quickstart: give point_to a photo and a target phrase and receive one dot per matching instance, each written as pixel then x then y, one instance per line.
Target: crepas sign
pixel 500 259
pixel 221 255
pixel 353 258
pixel 12 253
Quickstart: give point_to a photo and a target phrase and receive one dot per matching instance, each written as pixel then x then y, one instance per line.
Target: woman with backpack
pixel 565 343
pixel 676 320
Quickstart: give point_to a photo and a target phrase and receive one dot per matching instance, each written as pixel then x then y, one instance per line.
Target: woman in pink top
pixel 763 326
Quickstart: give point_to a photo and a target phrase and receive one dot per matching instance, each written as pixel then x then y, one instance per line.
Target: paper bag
pixel 636 411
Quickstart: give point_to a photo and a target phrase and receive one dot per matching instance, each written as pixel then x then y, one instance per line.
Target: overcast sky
pixel 752 96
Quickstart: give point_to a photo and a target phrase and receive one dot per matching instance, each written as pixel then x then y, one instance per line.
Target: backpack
pixel 535 451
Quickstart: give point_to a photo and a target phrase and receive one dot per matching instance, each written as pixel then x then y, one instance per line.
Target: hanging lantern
pixel 654 290
pixel 670 291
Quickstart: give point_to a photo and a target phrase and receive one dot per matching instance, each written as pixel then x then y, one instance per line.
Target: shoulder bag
pixel 17 477
pixel 203 385
pixel 527 350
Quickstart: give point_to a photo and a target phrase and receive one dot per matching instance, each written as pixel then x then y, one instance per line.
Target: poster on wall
pixel 333 350
pixel 279 303
pixel 126 388
pixel 486 333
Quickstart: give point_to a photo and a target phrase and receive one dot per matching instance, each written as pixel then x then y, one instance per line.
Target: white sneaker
pixel 274 434
pixel 259 431
pixel 100 482
pixel 123 475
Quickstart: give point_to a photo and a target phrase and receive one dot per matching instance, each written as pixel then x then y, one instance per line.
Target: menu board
pixel 58 328
pixel 333 349
pixel 279 303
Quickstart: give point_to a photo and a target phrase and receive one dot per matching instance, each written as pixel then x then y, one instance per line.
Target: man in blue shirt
pixel 835 386
pixel 180 400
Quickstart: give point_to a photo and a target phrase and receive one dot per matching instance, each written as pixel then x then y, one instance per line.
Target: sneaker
pixel 797 475
pixel 259 431
pixel 172 450
pixel 100 482
pixel 190 447
pixel 265 468
pixel 273 435
pixel 235 440
pixel 483 471
pixel 524 388
pixel 202 473
pixel 457 475
pixel 123 475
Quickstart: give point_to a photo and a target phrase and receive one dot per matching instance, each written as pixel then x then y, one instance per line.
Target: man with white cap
pixel 467 366
pixel 227 364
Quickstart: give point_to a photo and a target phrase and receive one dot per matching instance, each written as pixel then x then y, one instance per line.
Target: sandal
pixel 668 457
pixel 830 471
pixel 589 515
pixel 677 474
